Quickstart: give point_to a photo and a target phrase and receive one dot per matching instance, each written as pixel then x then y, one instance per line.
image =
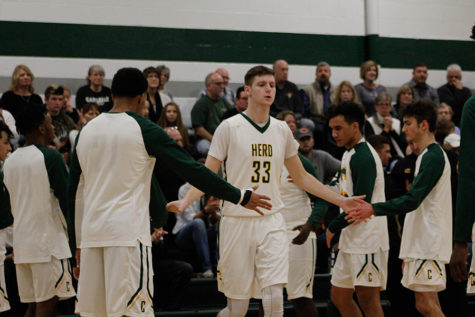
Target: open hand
pixel 360 213
pixel 176 206
pixel 257 201
pixel 305 230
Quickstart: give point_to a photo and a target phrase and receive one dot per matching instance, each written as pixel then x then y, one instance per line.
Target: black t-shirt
pixel 16 104
pixel 103 98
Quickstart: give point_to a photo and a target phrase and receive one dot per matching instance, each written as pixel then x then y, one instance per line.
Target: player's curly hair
pixel 351 111
pixel 6 129
pixel 31 118
pixel 128 82
pixel 422 109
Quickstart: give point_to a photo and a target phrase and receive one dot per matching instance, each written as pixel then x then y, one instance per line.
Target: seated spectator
pixel 445 112
pixel 382 123
pixel 171 278
pixel 453 92
pixel 405 96
pixel 418 82
pixel 207 112
pixel 164 72
pixel 319 96
pixel 228 93
pixel 68 107
pixel 287 96
pixel 88 112
pixel 368 90
pixel 345 92
pixel 289 117
pixel 62 123
pixel 240 104
pixel 95 91
pixel 326 165
pixel 196 230
pixel 20 94
pixel 171 117
pixel 153 96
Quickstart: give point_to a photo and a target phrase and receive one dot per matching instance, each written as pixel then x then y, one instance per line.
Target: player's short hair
pixel 128 82
pixel 422 109
pixel 351 111
pixel 31 118
pixel 239 91
pixel 256 71
pixel 378 141
pixel 4 128
pixel 54 90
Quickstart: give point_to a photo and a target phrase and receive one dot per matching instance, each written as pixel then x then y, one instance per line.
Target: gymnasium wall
pixel 59 40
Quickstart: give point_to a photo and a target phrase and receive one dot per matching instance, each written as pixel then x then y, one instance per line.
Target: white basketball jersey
pixel 253 155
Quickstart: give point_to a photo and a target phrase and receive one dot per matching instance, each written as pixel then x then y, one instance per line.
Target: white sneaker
pixel 207 274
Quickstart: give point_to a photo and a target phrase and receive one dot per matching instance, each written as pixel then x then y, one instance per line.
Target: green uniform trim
pixel 57 175
pixel 169 154
pixel 363 175
pixel 148 276
pixel 258 128
pixel 320 206
pixel 465 210
pixel 3 293
pixel 6 217
pixel 420 267
pixel 430 171
pixel 158 203
pixel 363 267
pixel 131 300
pixel 61 276
pixel 374 263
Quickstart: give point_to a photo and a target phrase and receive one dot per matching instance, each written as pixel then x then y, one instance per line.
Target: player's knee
pixel 273 301
pixel 338 298
pixel 237 307
pixel 198 224
pixel 425 307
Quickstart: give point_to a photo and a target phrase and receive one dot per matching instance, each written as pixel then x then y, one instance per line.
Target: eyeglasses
pixel 219 83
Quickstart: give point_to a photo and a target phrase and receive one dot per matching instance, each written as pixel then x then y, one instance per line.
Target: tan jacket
pixel 315 97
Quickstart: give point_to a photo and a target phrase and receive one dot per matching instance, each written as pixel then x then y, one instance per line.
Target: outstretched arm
pixel 311 185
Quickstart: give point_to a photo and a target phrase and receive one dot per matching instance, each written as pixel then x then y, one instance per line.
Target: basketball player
pixel 253 148
pixel 111 172
pixel 361 264
pixel 6 218
pixel 427 237
pixel 35 177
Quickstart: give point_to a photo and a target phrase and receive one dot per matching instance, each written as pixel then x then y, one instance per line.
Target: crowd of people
pixel 352 137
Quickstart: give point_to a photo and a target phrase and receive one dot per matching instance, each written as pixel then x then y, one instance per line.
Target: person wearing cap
pixel 325 164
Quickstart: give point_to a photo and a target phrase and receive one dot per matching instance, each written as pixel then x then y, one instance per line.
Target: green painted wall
pixel 147 43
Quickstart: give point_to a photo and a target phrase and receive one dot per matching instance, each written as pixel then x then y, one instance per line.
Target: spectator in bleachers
pixel 289 117
pixel 346 92
pixel 171 117
pixel 382 123
pixel 95 91
pixel 453 92
pixel 208 110
pixel 62 123
pixel 368 90
pixel 196 230
pixel 320 95
pixel 68 107
pixel 287 95
pixel 20 94
pixel 88 112
pixel 445 112
pixel 164 72
pixel 405 96
pixel 153 96
pixel 228 93
pixel 418 82
pixel 240 104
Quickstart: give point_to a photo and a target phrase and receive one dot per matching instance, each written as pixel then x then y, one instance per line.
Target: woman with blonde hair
pixel 346 92
pixel 368 90
pixel 171 117
pixel 21 92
